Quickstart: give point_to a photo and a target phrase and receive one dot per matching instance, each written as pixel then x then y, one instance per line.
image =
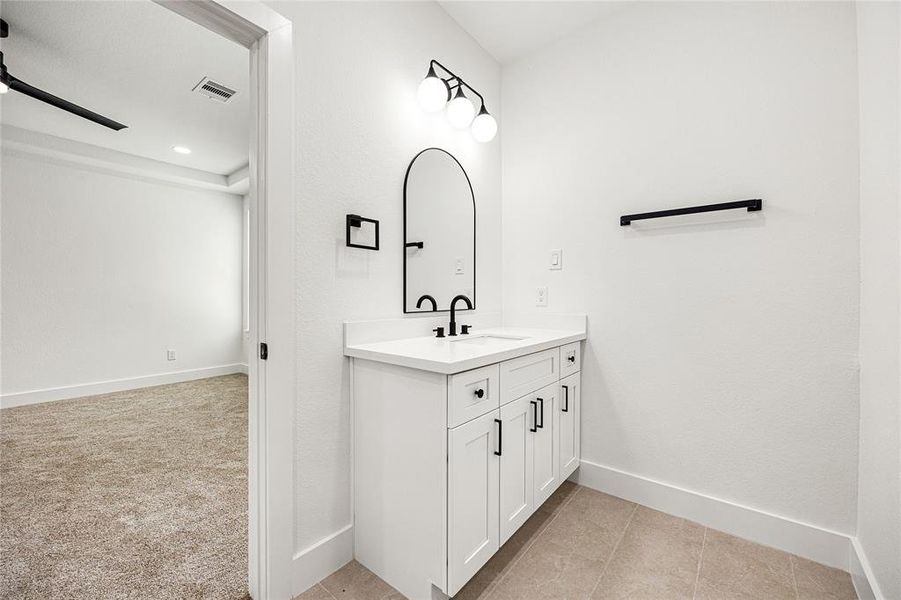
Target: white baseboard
pixel 115 385
pixel 802 539
pixel 322 559
pixel 862 574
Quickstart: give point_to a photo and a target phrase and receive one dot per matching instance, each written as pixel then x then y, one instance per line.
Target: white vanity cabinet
pixel 448 466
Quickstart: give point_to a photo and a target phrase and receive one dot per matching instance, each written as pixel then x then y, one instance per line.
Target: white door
pixel 570 390
pixel 472 503
pixel 546 471
pixel 516 487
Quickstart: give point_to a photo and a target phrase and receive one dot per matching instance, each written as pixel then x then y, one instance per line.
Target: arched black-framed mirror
pixel 439 232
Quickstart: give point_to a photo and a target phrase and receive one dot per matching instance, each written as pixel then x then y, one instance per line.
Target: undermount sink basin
pixel 485 339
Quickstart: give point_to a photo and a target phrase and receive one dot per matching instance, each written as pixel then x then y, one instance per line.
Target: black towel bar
pixel 752 205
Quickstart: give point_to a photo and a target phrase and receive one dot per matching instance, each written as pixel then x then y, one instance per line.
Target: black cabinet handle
pixel 534 416
pixel 500 437
pixel 565 398
pixel 480 393
pixel 541 401
pixel 572 358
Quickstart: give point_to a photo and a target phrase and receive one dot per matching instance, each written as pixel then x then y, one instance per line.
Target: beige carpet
pixel 138 494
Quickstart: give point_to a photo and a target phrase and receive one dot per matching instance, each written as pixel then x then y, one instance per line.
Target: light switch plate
pixel 171 355
pixel 541 296
pixel 458 266
pixel 556 260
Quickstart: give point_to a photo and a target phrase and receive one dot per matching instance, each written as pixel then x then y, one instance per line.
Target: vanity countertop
pixel 464 352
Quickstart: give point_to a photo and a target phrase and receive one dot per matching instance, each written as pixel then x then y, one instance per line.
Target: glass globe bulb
pixel 460 110
pixel 484 127
pixel 432 93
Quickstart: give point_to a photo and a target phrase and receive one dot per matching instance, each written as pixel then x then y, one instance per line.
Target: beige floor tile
pixel 735 568
pixel 354 581
pixel 549 571
pixel 590 524
pixel 566 491
pixel 317 592
pixel 657 558
pixel 482 582
pixel 819 582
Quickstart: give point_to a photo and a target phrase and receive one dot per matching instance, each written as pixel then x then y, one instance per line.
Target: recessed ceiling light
pixel 181 149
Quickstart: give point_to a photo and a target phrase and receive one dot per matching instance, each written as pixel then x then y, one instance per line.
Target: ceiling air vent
pixel 214 90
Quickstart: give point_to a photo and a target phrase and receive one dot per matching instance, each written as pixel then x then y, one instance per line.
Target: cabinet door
pixel 570 428
pixel 546 470
pixel 516 464
pixel 472 504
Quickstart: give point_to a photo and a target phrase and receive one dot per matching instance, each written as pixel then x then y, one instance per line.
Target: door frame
pixel 271 382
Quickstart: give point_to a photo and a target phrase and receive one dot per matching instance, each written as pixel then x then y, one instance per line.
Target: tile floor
pixel 582 544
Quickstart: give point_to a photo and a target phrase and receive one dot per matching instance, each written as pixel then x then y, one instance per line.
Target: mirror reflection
pixel 439 232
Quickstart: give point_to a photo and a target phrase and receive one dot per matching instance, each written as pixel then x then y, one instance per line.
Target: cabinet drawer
pixel 471 394
pixel 529 373
pixel 570 359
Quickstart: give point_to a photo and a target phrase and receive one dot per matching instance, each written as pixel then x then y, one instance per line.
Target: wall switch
pixel 458 266
pixel 170 355
pixel 541 297
pixel 556 261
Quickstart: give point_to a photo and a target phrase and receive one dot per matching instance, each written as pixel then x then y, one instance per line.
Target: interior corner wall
pixel 102 274
pixel 722 348
pixel 359 125
pixel 879 496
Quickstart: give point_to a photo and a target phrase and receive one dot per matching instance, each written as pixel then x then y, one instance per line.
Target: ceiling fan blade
pixel 29 90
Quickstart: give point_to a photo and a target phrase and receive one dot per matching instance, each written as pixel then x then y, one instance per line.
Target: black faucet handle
pixel 466 329
pixel 439 332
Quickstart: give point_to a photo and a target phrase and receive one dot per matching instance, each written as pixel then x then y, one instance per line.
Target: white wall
pixel 722 353
pixel 879 508
pixel 101 274
pixel 358 68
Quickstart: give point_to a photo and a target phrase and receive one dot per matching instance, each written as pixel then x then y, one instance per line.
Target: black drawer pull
pixel 572 358
pixel 480 393
pixel 500 437
pixel 534 404
pixel 541 401
pixel 565 398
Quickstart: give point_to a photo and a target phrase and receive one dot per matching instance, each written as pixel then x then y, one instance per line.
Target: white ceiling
pixel 134 62
pixel 510 30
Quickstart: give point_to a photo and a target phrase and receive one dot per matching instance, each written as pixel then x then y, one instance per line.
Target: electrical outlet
pixel 541 297
pixel 171 355
pixel 556 260
pixel 458 266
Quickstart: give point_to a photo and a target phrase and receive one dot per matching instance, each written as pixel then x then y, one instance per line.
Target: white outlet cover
pixel 171 355
pixel 541 296
pixel 555 262
pixel 458 266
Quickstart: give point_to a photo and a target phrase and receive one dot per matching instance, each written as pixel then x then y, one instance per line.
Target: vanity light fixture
pixel 437 92
pixel 460 110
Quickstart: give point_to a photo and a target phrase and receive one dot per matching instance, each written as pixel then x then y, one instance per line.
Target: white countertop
pixel 461 353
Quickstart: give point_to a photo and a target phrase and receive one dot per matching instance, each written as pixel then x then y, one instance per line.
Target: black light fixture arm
pixel 456 78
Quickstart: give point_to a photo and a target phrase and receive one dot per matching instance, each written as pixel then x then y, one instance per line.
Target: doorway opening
pixel 180 479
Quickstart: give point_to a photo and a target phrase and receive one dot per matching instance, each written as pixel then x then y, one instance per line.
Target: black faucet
pixel 430 299
pixel 452 330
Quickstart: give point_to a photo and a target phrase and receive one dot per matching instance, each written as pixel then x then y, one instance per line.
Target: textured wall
pixel 103 273
pixel 358 68
pixel 879 509
pixel 722 352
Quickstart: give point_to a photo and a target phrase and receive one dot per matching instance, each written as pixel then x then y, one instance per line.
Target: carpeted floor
pixel 139 494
